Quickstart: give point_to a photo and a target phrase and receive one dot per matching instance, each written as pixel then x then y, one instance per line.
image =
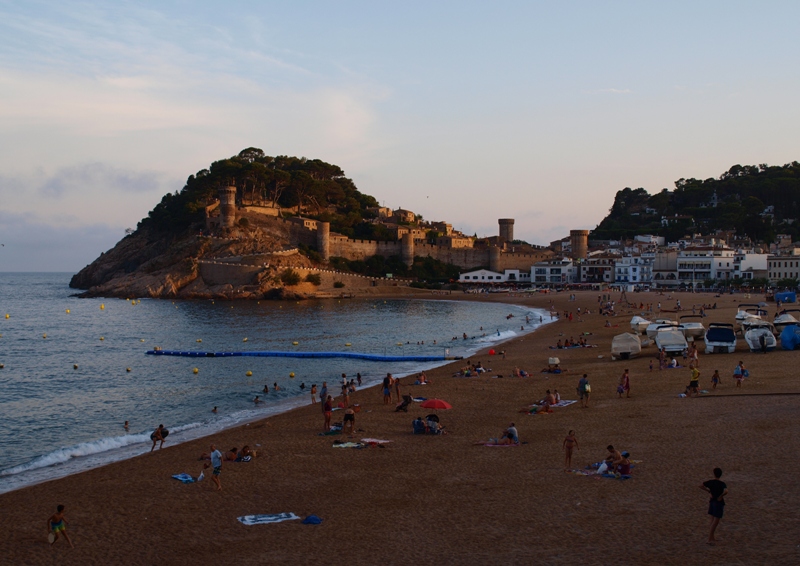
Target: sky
pixel 460 111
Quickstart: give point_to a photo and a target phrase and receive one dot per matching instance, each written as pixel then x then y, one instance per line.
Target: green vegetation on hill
pixel 318 188
pixel 743 194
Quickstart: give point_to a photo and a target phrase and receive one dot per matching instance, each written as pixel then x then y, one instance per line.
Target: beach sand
pixel 443 500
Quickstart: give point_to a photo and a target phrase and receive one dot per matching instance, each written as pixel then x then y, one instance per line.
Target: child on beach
pixel 569 443
pixel 314 394
pixel 738 374
pixel 57 525
pixel 715 379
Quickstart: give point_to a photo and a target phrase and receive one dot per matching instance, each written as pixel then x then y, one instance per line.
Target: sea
pixel 74 370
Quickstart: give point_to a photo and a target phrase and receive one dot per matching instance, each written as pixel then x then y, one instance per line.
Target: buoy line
pixel 351 355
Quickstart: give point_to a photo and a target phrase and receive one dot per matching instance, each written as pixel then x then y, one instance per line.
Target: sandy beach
pixel 443 500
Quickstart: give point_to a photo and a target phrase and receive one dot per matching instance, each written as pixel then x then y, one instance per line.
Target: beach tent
pixel 790 337
pixel 625 346
pixel 787 297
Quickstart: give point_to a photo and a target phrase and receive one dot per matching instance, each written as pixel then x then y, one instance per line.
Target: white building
pixel 482 276
pixel 697 264
pixel 558 271
pixel 783 267
pixel 634 269
pixel 749 266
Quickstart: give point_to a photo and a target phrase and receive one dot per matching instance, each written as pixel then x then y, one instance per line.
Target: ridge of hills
pixel 755 201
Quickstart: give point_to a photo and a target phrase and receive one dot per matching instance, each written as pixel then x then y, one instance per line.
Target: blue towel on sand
pixel 312 520
pixel 184 478
pixel 267 519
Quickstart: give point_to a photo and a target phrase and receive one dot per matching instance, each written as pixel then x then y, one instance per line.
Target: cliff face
pixel 238 264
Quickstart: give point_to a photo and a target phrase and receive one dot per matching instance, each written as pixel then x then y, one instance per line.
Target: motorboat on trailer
pixel 653 327
pixel 625 346
pixel 743 312
pixel 690 328
pixel 670 339
pixel 784 319
pixel 760 337
pixel 758 316
pixel 639 324
pixel 720 338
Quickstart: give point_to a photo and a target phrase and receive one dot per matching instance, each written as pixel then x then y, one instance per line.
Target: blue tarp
pixel 790 337
pixel 786 297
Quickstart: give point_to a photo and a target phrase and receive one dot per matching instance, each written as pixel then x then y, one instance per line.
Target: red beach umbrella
pixel 435 404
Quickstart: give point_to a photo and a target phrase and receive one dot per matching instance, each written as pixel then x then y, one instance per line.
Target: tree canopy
pixel 318 189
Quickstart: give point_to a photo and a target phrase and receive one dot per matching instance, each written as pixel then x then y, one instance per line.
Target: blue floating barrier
pixel 277 354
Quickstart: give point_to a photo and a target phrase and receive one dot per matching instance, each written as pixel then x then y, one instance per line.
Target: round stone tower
pixel 494 259
pixel 506 229
pixel 227 207
pixel 324 240
pixel 579 241
pixel 407 249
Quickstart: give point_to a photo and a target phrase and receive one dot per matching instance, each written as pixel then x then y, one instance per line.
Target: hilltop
pixel 755 201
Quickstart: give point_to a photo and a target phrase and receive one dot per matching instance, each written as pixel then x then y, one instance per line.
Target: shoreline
pixel 492 506
pixel 188 432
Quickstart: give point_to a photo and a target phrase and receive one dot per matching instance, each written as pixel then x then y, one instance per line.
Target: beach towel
pixel 565 403
pixel 312 520
pixel 185 478
pixel 374 441
pixel 348 445
pixel 266 519
pixel 501 445
pixel 420 399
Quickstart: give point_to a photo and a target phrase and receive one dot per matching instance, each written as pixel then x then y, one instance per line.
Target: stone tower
pixel 579 241
pixel 407 249
pixel 494 259
pixel 227 207
pixel 324 240
pixel 506 229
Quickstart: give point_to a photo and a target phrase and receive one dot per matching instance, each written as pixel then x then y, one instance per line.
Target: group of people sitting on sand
pixel 428 426
pixel 572 343
pixel 471 370
pixel 617 462
pixel 233 455
pixel 544 405
pixel 509 437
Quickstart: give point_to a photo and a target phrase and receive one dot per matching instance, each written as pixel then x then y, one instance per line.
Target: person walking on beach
pixel 358 378
pixel 313 393
pixel 569 443
pixel 57 526
pixel 216 462
pixel 387 389
pixel 584 389
pixel 716 505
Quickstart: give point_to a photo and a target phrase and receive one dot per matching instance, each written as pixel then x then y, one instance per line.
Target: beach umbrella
pixel 435 404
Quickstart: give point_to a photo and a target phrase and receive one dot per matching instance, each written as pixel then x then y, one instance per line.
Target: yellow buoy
pixel 8 315
pixel 67 311
pixel 291 375
pixel 44 335
pixel 101 338
pixel 295 343
pixel 399 343
pixel 245 340
pixel 195 370
pixel 102 307
pixel 348 344
pixel 128 370
pixel 141 339
pixel 249 373
pixel 128 299
pixel 199 339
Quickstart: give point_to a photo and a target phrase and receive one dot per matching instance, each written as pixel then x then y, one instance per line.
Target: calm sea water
pixel 58 420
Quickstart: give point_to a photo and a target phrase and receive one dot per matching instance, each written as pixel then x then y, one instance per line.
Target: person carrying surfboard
pixel 159 434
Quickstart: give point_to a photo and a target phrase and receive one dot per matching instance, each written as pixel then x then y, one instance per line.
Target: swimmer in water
pixel 214 410
pixel 257 400
pixel 275 385
pixel 266 388
pixel 125 426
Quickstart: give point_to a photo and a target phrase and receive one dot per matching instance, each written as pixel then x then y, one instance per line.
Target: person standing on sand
pixel 158 435
pixel 624 385
pixel 57 526
pixel 358 378
pixel 216 462
pixel 397 388
pixel 584 390
pixel 716 505
pixel 323 394
pixel 570 442
pixel 327 410
pixel 387 389
pixel 313 393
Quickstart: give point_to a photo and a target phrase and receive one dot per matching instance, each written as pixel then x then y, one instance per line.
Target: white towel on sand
pixel 267 519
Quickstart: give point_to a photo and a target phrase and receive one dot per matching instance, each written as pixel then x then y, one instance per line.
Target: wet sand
pixel 443 500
